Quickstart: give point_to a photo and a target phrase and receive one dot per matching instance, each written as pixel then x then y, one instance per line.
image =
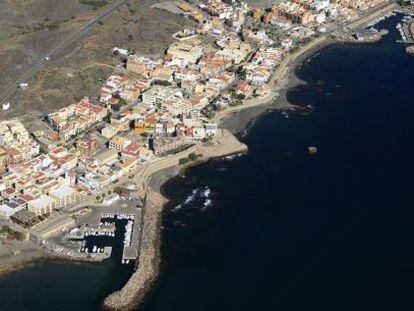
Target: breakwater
pixel 135 290
pixel 410 49
pixel 141 281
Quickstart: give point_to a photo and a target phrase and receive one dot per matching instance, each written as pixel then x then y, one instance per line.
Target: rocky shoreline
pixel 234 121
pixel 143 278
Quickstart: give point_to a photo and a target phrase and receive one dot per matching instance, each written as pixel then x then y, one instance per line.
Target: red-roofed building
pixel 131 150
pixel 8 193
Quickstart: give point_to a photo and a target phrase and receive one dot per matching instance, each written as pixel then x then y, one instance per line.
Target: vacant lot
pixel 79 70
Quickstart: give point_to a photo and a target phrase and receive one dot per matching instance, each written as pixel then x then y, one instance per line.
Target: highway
pixel 76 35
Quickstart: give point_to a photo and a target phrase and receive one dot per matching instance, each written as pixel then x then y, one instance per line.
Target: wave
pixel 207 204
pixel 232 157
pixel 192 196
pixel 207 192
pixel 178 207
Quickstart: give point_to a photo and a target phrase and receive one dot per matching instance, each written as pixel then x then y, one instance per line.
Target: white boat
pixel 312 149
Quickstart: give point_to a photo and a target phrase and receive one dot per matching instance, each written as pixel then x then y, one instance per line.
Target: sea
pixel 278 228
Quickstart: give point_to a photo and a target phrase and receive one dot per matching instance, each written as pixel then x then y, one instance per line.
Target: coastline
pixel 233 121
pixel 27 260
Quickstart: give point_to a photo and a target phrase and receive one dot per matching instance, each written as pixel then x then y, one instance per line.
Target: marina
pixel 406 29
pixel 94 239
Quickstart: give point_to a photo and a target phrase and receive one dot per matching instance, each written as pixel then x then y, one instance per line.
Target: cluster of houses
pixel 308 12
pixel 37 186
pixel 154 107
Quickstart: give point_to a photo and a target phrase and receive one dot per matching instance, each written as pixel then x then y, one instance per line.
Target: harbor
pixel 406 29
pixel 96 239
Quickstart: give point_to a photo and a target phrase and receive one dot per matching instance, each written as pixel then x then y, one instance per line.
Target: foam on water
pixel 192 196
pixel 207 192
pixel 178 207
pixel 207 203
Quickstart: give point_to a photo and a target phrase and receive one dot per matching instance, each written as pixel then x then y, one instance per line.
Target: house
pixel 64 196
pixel 211 129
pixel 10 208
pixel 86 146
pixel 185 52
pixel 140 65
pixel 73 119
pixel 243 88
pixel 118 143
pixel 9 193
pixel 164 145
pixel 42 205
pixel 286 43
pixel 131 150
pixel 159 94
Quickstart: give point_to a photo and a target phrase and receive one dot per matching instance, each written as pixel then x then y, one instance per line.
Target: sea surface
pixel 278 228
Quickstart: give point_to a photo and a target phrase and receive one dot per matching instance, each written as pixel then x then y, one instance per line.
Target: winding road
pixel 74 36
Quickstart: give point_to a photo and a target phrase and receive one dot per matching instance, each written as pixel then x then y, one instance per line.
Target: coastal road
pixel 73 37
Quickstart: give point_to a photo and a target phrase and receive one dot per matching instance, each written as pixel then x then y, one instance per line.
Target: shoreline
pixel 142 280
pixel 234 120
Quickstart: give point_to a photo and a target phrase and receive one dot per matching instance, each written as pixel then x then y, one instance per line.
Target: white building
pixel 64 196
pixel 159 94
pixel 42 205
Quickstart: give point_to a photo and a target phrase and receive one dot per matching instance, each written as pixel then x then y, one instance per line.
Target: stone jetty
pixel 141 281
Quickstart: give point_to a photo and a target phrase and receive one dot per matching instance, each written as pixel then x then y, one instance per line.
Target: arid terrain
pixel 30 28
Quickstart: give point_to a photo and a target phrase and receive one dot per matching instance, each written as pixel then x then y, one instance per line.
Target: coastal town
pixel 83 170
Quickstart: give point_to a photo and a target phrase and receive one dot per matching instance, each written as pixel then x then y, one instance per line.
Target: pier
pixel 224 143
pixel 132 232
pixel 131 252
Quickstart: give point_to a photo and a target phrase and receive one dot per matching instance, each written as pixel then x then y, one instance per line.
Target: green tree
pixel 192 156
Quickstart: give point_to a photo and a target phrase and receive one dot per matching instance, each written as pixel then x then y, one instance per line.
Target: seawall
pixel 141 281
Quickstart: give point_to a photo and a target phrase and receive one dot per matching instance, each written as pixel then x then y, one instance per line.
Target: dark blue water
pixel 284 230
pixel 53 286
pixel 290 231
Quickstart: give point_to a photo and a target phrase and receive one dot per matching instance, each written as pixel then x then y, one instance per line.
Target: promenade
pixel 278 81
pixel 224 143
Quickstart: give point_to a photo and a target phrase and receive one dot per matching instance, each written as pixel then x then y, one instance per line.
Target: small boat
pixel 312 150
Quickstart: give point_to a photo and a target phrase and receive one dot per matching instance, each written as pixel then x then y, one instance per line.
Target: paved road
pixel 59 48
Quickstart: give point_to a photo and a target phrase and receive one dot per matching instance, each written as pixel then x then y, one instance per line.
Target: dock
pixel 131 252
